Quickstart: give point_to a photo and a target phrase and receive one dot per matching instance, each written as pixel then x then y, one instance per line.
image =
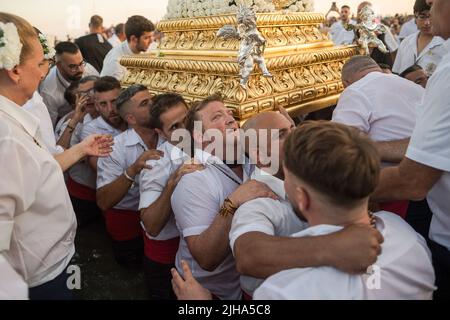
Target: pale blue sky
pixel 71 17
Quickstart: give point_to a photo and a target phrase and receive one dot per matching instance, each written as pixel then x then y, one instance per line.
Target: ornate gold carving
pixel 306 67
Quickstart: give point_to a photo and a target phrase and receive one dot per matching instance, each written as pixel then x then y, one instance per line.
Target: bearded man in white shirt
pixel 139 32
pixel 261 229
pixel 70 67
pixel 425 170
pixel 339 35
pixel 162 238
pixel 118 175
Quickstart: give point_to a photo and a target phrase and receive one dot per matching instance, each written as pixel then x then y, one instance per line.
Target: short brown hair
pixel 96 21
pixel 137 25
pixel 25 30
pixel 196 107
pixel 161 104
pixel 334 159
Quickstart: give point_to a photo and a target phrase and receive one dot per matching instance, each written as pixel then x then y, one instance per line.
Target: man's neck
pixel 149 136
pixel 13 95
pixel 133 49
pixel 333 215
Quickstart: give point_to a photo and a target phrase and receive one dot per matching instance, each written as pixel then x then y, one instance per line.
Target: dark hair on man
pixel 421 6
pixel 196 107
pixel 345 7
pixel 161 104
pixel 334 159
pixel 137 25
pixel 384 66
pixel 128 94
pixel 120 28
pixel 66 47
pixel 96 21
pixel 70 93
pixel 107 83
pixel 413 68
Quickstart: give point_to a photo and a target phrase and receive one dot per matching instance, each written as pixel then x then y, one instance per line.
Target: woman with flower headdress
pixel 37 222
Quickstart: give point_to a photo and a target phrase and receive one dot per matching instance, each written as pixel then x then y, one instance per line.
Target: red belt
pixel 123 225
pixel 80 191
pixel 246 296
pixel 398 207
pixel 163 252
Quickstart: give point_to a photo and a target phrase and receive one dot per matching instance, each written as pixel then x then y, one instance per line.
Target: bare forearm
pixel 212 246
pixel 392 151
pixel 156 216
pixel 260 255
pixel 70 157
pixel 111 194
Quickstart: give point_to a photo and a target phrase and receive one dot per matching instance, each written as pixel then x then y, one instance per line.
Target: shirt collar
pixel 133 139
pixel 275 184
pixel 29 122
pixel 447 45
pixel 171 151
pixel 61 79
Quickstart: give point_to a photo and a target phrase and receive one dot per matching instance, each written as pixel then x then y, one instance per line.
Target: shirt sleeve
pixel 51 104
pixel 251 217
pixel 113 68
pixel 194 204
pixel 87 130
pixel 17 189
pixel 430 140
pixel 12 285
pixel 398 63
pixel 152 182
pixel 110 168
pixel 353 109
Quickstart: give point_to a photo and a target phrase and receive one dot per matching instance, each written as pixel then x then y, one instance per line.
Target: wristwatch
pixel 228 208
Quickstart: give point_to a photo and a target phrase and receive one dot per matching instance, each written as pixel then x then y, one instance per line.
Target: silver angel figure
pixel 252 44
pixel 368 30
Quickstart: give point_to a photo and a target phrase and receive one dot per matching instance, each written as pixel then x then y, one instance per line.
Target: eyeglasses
pixel 423 16
pixel 74 67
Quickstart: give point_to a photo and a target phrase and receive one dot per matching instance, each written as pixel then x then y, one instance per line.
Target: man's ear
pixel 160 132
pixel 14 74
pixel 303 199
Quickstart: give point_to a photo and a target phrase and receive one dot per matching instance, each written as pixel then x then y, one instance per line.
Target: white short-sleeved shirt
pixel 111 64
pixel 408 29
pixel 196 201
pixel 37 108
pixel 114 41
pixel 272 217
pixel 81 172
pixel 128 147
pixel 428 59
pixel 12 286
pixel 380 105
pixel 52 90
pixel 98 126
pixel 152 183
pixel 37 221
pixel 430 145
pixel 339 35
pixel 404 270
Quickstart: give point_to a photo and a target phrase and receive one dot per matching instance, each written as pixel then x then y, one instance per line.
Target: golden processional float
pixel 224 51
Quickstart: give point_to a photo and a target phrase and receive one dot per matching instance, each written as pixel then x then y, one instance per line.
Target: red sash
pixel 246 296
pixel 161 251
pixel 398 207
pixel 123 225
pixel 80 191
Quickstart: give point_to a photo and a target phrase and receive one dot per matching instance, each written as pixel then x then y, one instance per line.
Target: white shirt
pixel 12 286
pixel 404 270
pixel 272 217
pixel 111 64
pixel 81 172
pixel 152 183
pixel 52 90
pixel 339 35
pixel 408 29
pixel 428 59
pixel 196 201
pixel 114 41
pixel 37 108
pixel 430 146
pixel 383 106
pixel 128 147
pixel 98 126
pixel 37 222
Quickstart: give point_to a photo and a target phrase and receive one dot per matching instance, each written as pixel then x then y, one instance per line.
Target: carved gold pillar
pixel 193 62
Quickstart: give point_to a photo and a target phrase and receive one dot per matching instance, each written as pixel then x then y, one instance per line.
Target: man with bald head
pixel 380 105
pixel 259 236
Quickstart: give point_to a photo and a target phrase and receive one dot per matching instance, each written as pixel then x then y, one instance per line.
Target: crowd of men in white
pixel 74 146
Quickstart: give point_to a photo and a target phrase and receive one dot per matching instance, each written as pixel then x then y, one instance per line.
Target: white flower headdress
pixel 10 46
pixel 49 51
